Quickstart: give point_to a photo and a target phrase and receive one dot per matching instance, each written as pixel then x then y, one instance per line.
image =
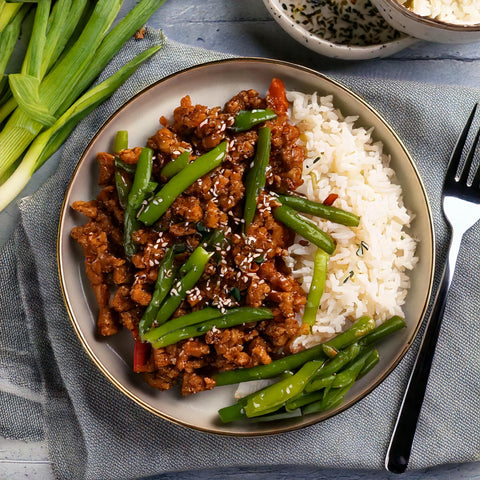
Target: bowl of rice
pixel 382 268
pixel 441 21
pixel 344 29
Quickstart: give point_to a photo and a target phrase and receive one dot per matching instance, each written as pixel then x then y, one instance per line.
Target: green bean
pixel 233 412
pixel 151 187
pixel 348 372
pixel 255 181
pixel 180 322
pixel 328 387
pixel 175 165
pixel 358 367
pixel 304 399
pixel 370 362
pixel 236 411
pixel 163 285
pixel 342 358
pixel 123 181
pixel 330 400
pixel 291 362
pixel 246 119
pixel 335 380
pixel 121 141
pixel 127 167
pixel 386 328
pixel 305 228
pixel 273 369
pixel 195 257
pixel 319 276
pixel 135 198
pixel 123 184
pixel 359 329
pixel 239 316
pixel 216 239
pixel 179 291
pixel 274 417
pixel 180 182
pixel 327 212
pixel 277 394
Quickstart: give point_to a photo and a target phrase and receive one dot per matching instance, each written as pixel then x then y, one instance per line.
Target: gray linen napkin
pixel 50 389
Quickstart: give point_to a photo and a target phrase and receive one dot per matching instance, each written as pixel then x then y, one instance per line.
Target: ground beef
pixel 249 262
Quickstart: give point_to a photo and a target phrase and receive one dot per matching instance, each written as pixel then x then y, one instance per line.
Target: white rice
pixel 343 160
pixel 465 12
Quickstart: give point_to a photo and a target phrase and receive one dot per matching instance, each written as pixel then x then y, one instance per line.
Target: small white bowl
pixel 320 25
pixel 426 28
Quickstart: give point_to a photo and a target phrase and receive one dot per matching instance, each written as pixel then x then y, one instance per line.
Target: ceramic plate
pixel 345 30
pixel 213 84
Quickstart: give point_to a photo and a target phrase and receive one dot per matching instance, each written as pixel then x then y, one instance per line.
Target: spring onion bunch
pixel 71 42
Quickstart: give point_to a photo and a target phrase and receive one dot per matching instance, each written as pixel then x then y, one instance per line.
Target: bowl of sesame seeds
pixel 344 29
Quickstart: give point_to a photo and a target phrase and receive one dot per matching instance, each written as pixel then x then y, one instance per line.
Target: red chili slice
pixel 141 353
pixel 277 97
pixel 330 199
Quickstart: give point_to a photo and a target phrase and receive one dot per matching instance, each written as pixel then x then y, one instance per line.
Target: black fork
pixel 461 207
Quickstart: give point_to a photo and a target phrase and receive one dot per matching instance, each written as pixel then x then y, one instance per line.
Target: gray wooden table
pixel 244 28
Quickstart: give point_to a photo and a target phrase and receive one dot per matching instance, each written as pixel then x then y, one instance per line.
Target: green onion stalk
pixel 51 139
pixel 7 12
pixel 70 67
pixel 8 38
pixel 64 21
pixel 33 57
pixel 49 95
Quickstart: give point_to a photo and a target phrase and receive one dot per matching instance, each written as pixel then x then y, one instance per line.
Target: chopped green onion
pixel 235 293
pixel 348 277
pixel 363 246
pixel 260 259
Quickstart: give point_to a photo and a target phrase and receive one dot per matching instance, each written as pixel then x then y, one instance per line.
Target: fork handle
pixel 398 453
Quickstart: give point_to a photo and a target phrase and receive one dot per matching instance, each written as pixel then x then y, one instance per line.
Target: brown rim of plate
pixel 432 22
pixel 351 401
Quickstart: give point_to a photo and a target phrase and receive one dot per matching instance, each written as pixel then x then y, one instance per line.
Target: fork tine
pixel 468 162
pixel 451 172
pixel 476 178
